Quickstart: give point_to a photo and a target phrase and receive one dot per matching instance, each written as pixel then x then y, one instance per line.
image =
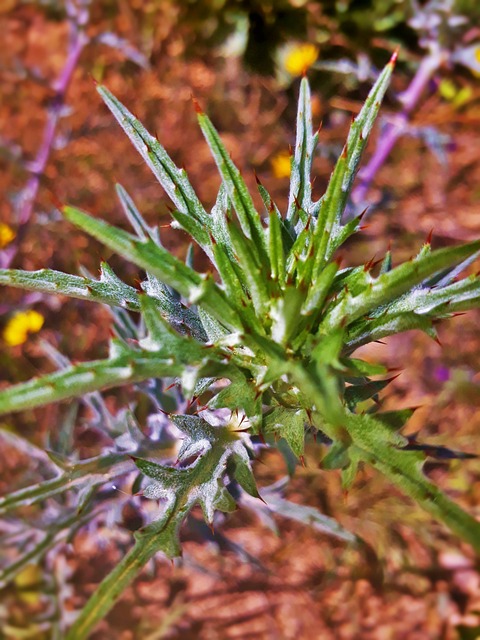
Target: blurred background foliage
pixel 241 59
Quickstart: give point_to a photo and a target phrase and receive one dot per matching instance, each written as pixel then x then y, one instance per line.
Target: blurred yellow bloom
pixel 27 582
pixel 458 96
pixel 299 58
pixel 281 164
pixel 20 325
pixel 7 234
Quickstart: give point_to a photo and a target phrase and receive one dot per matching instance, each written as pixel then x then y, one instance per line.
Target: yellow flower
pixel 299 58
pixel 7 234
pixel 27 582
pixel 281 164
pixel 20 325
pixel 458 96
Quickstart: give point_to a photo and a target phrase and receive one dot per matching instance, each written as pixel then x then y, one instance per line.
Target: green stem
pixel 101 466
pixel 84 378
pixel 113 586
pixel 60 531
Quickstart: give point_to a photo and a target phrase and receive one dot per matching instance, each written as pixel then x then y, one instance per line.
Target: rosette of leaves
pixel 271 336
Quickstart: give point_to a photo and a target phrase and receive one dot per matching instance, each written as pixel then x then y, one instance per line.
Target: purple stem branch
pixel 396 126
pixel 36 168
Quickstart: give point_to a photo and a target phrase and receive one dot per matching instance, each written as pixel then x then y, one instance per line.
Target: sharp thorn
pixel 393 59
pixel 196 106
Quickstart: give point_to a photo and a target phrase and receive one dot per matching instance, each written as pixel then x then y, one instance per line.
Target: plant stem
pixel 107 466
pixel 36 168
pixel 113 585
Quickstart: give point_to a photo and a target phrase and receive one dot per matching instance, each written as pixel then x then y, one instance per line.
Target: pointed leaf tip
pixel 57 202
pixel 393 59
pixel 197 106
pixel 362 215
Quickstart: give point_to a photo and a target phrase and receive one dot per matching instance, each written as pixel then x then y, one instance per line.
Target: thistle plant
pixel 265 341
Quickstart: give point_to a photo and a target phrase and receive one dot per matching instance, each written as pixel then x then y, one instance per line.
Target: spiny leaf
pixel 244 476
pixel 79 472
pixel 284 313
pixel 240 394
pixel 360 392
pixel 328 226
pixel 328 348
pixel 276 248
pixel 85 378
pixel 201 481
pixel 172 179
pixel 359 368
pixel 395 420
pixel 364 332
pixel 393 284
pixel 267 198
pixel 134 216
pixel 182 318
pixel 451 275
pixel 220 217
pixel 337 457
pixel 164 340
pixel 288 424
pixel 314 303
pixel 236 188
pixel 437 451
pixel 305 144
pixel 109 289
pixel 252 271
pixel 160 263
pixel 309 516
pixel 403 468
pixel 194 228
pixel 435 300
pixel 235 289
pixel 214 330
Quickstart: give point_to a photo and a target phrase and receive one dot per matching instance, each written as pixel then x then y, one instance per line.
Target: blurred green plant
pixel 266 346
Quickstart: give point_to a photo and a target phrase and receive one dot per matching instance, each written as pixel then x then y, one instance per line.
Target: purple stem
pixel 36 168
pixel 396 126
